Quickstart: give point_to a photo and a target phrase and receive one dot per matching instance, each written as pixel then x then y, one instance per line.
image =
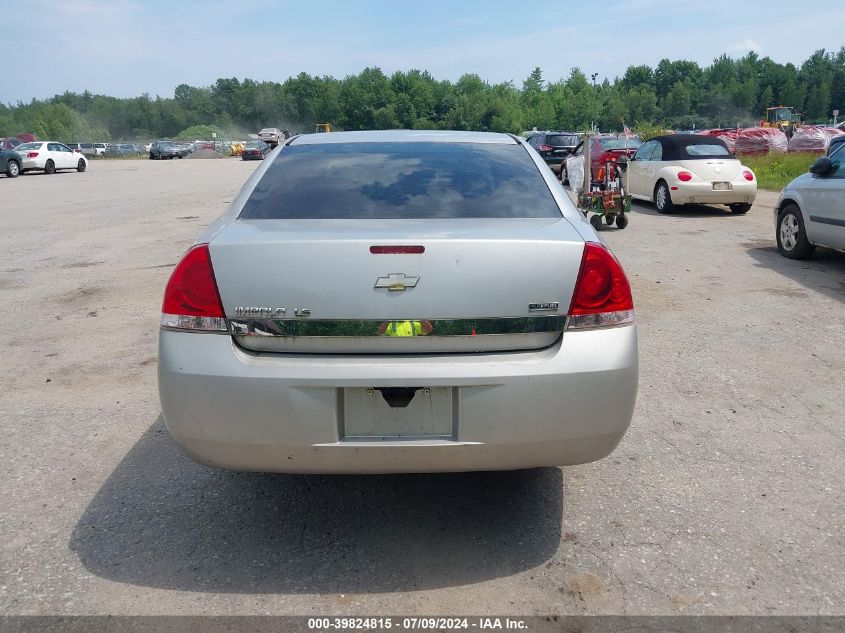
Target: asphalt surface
pixel 726 496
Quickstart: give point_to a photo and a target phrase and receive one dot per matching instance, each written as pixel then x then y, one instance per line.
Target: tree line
pixel 675 94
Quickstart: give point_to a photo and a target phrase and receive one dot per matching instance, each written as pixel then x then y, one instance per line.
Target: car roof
pixel 674 144
pixel 404 136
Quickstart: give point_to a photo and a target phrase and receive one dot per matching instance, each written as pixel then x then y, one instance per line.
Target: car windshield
pixel 252 145
pixel 619 142
pixel 706 150
pixel 166 144
pixel 401 180
pixel 27 146
pixel 558 140
pixel 838 153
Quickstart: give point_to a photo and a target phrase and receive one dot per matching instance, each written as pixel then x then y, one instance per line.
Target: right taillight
pixel 602 296
pixel 191 299
pixel 748 175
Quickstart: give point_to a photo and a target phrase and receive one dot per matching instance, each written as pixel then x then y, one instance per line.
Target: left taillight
pixel 545 148
pixel 684 176
pixel 191 299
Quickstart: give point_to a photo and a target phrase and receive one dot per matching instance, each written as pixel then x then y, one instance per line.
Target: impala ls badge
pixel 396 281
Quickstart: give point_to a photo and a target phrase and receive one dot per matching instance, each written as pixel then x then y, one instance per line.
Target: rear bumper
pixel 567 404
pixel 688 193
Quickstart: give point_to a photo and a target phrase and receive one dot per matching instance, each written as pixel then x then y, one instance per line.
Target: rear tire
pixel 595 220
pixel 152 157
pixel 49 167
pixel 621 221
pixel 662 198
pixel 739 209
pixel 13 169
pixel 80 166
pixel 790 235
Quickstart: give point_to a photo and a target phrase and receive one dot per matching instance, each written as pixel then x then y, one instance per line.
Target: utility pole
pixel 595 99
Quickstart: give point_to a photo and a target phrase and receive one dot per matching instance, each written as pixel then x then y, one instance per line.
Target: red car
pixel 603 148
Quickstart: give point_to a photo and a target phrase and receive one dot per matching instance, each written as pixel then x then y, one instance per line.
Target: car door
pixel 824 208
pixel 68 160
pixel 575 168
pixel 637 169
pixel 55 155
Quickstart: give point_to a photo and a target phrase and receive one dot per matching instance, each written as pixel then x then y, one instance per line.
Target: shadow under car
pixel 161 520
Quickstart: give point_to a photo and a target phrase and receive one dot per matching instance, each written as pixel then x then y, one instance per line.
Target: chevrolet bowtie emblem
pixel 396 281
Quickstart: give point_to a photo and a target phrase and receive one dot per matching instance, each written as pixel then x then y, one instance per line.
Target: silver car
pixel 398 301
pixel 811 209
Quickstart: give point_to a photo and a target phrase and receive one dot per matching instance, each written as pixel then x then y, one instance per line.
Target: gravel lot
pixel 726 496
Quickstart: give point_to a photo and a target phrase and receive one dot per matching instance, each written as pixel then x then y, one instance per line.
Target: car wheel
pixel 180 157
pixel 790 235
pixel 621 221
pixel 13 169
pixel 663 199
pixel 50 167
pixel 152 157
pixel 739 209
pixel 80 166
pixel 595 220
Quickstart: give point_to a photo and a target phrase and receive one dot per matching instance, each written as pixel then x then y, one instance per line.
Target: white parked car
pixel 683 169
pixel 271 135
pixel 49 156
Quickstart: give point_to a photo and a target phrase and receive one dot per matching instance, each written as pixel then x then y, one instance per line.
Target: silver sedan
pixel 811 209
pixel 400 301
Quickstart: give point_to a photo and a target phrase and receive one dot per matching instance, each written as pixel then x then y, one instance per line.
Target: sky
pixel 131 47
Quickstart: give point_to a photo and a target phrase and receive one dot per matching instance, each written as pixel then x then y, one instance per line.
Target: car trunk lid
pixel 317 286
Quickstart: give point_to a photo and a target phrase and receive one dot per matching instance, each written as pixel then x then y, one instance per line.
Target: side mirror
pixel 822 166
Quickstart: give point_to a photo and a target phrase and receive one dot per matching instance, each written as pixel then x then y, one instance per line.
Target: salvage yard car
pixel 811 209
pixel 166 149
pixel 271 135
pixel 604 148
pixel 554 147
pixel 10 163
pixel 49 157
pixel 679 169
pixel 255 150
pixel 370 302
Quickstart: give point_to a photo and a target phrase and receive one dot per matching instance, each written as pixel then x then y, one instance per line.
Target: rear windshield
pixel 619 142
pixel 28 146
pixel 703 150
pixel 558 140
pixel 401 180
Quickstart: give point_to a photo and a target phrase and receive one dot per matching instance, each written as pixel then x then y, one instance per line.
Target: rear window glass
pixel 401 180
pixel 706 149
pixel 562 139
pixel 619 142
pixel 28 146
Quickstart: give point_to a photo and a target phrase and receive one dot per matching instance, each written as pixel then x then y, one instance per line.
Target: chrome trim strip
pixel 327 328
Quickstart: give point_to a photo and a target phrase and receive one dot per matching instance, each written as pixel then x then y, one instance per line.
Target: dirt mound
pixel 205 153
